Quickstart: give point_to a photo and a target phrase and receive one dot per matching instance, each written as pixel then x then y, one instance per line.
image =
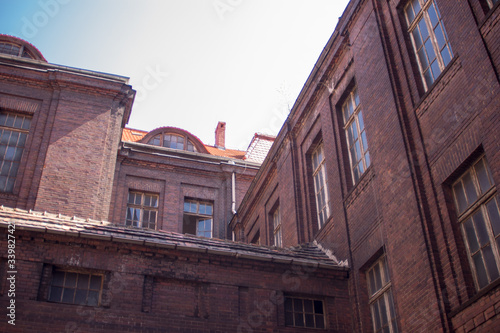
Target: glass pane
pixel 367 159
pixel 299 320
pixel 68 295
pixel 187 206
pixel 376 316
pixel 289 318
pixel 9 154
pixel 491 265
pixel 309 320
pixel 423 30
pixel 377 277
pixel 5 137
pixel 13 138
pixel 433 16
pixel 482 232
pixel 358 151
pixel 154 201
pixel 356 97
pixel 5 168
pixel 308 306
pixel 81 297
pixel 318 307
pixel 58 279
pixel 131 198
pixel 416 37
pixel 423 58
pixel 471 236
pixel 288 304
pixel 26 123
pixel 83 281
pixel 70 280
pixel 482 176
pixel 202 209
pixel 209 209
pixel 383 311
pixel 93 298
pixel 10 120
pixel 138 198
pixel 482 279
pixel 461 201
pixel 430 50
pixel 152 216
pixel 320 321
pixel 22 139
pixel 363 139
pixel 55 294
pixel 494 216
pixel 297 305
pixel 435 69
pixel 95 282
pixel 470 191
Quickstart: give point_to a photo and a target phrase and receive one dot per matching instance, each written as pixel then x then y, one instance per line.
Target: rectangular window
pixel 198 218
pixel 320 189
pixel 381 302
pixel 430 42
pixel 354 127
pixel 477 205
pixel 76 288
pixel 13 133
pixel 142 210
pixel 304 312
pixel 277 227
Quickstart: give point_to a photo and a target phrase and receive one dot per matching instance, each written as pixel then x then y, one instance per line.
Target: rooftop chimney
pixel 220 135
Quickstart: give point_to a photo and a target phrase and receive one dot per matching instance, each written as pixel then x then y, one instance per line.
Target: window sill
pixel 480 294
pixel 439 85
pixel 358 188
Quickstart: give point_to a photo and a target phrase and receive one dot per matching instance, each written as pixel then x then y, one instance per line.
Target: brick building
pixel 390 158
pixel 375 210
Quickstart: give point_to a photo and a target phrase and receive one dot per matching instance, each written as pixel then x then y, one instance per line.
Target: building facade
pixel 376 208
pixel 390 159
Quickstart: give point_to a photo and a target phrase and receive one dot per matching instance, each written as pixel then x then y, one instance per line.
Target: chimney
pixel 220 135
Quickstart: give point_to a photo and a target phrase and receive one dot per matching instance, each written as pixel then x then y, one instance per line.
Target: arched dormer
pixel 174 138
pixel 20 48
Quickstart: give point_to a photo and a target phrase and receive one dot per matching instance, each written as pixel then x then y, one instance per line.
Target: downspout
pixel 233 193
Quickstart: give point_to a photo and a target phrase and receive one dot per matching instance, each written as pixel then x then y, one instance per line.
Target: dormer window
pixel 15 50
pixel 173 141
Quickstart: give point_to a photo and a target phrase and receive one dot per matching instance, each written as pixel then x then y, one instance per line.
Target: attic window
pixel 14 50
pixel 173 141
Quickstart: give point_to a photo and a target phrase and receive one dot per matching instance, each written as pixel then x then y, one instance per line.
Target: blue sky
pixel 192 62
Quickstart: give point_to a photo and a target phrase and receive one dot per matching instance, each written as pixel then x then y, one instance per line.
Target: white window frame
pixel 479 221
pixel 435 66
pixel 200 217
pixel 320 185
pixel 380 293
pixel 140 208
pixel 355 131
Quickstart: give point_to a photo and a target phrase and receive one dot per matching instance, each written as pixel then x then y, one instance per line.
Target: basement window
pixel 198 218
pixel 304 312
pixel 76 288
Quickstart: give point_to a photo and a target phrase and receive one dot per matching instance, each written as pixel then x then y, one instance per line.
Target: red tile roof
pixel 259 147
pixel 135 135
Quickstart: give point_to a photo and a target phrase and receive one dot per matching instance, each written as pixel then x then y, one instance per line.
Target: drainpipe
pixel 233 192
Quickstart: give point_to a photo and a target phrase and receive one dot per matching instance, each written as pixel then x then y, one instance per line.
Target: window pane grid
pixel 200 214
pixel 320 189
pixel 76 288
pixel 302 312
pixel 142 210
pixel 381 301
pixel 477 206
pixel 357 144
pixel 429 38
pixel 13 134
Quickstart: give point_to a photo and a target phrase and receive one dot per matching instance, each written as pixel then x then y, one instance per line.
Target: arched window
pixel 15 50
pixel 174 141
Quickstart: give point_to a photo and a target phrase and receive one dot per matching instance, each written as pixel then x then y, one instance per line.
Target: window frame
pixel 200 217
pixel 160 140
pixel 412 24
pixel 382 294
pixel 319 170
pixel 277 227
pixel 351 118
pixel 141 207
pixel 304 312
pixel 471 212
pixel 18 151
pixel 75 288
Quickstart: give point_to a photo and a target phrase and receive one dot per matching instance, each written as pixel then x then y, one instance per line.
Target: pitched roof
pixel 259 147
pixel 309 254
pixel 134 135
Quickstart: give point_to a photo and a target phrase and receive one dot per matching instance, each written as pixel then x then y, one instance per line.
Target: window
pixel 354 127
pixel 173 141
pixel 13 133
pixel 197 218
pixel 320 189
pixel 142 210
pixel 277 227
pixel 477 205
pixel 76 288
pixel 381 302
pixel 430 42
pixel 488 4
pixel 304 312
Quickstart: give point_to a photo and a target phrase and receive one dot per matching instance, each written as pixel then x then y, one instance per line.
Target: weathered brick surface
pixel 418 141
